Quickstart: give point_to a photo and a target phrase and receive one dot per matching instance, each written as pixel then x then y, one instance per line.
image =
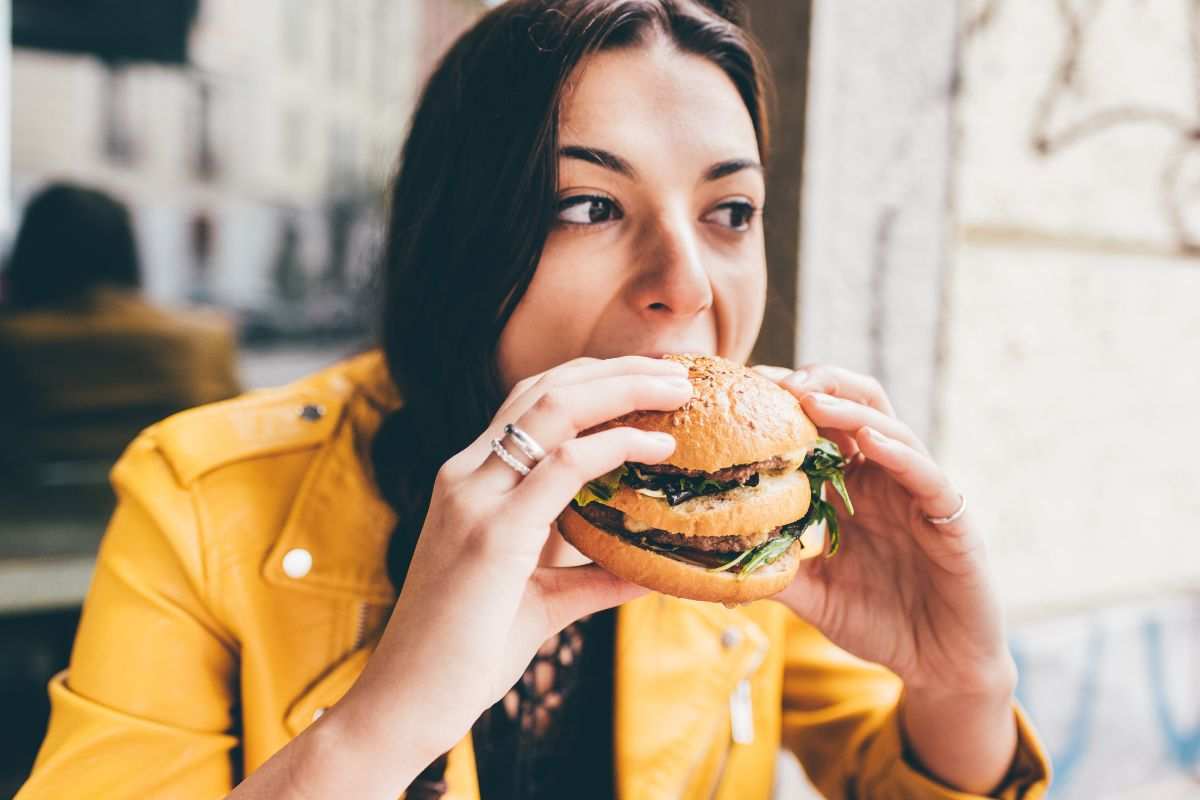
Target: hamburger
pixel 737 508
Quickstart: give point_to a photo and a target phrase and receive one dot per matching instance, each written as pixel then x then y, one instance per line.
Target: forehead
pixel 655 96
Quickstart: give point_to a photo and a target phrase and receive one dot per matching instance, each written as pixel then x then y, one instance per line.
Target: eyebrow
pixel 612 161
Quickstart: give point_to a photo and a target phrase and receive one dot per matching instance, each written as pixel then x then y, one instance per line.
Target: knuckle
pixel 570 456
pixel 448 473
pixel 553 403
pixel 524 385
pixel 875 388
pixel 821 376
pixel 814 369
pixel 456 468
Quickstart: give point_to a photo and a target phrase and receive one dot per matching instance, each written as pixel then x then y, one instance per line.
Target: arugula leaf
pixel 602 488
pixel 733 563
pixel 766 553
pixel 825 464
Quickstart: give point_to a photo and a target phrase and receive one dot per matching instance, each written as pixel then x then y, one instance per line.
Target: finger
pixel 916 472
pixel 839 382
pixel 569 593
pixel 828 411
pixel 526 392
pixel 583 369
pixel 562 412
pixel 774 373
pixel 555 481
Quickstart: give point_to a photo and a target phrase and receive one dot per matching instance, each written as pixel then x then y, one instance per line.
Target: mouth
pixel 660 353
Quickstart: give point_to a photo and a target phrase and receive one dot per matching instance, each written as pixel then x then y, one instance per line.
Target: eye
pixel 735 215
pixel 587 210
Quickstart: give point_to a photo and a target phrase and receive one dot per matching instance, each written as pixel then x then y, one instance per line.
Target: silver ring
pixel 508 458
pixel 532 450
pixel 962 508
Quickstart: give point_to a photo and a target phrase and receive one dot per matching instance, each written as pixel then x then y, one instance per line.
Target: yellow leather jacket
pixel 241 583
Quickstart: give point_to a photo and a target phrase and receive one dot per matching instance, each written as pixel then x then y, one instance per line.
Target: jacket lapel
pixel 339 519
pixel 678 663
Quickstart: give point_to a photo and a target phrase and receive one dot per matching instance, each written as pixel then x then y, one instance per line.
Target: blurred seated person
pixel 87 361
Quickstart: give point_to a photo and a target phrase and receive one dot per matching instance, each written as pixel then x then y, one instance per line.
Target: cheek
pixel 740 302
pixel 555 318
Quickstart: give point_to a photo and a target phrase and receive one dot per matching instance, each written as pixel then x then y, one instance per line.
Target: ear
pixel 732 10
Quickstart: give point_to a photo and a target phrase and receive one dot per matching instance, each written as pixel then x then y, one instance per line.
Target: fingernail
pixel 661 439
pixel 798 378
pixel 679 384
pixel 825 399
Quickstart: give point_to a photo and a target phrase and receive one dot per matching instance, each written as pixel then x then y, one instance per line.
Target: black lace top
pixel 551 736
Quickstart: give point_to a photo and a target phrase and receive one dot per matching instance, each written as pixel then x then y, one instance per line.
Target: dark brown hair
pixel 471 207
pixel 72 239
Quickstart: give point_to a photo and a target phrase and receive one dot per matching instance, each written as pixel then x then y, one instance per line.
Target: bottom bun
pixel 669 576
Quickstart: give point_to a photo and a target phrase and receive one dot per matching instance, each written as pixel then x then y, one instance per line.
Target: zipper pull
pixel 741 713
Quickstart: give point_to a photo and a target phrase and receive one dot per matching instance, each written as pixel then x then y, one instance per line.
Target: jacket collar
pixel 339 517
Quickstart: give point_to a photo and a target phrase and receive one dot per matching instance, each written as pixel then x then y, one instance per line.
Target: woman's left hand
pixel 902 592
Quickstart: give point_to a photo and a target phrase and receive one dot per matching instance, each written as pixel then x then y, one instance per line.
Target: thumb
pixel 569 593
pixel 806 596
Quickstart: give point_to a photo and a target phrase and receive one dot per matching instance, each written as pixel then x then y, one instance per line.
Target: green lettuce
pixel 823 464
pixel 601 489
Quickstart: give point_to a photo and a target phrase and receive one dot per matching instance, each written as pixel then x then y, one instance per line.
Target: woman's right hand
pixel 476 605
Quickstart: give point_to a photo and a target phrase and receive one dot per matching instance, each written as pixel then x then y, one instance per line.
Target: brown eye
pixel 736 216
pixel 587 210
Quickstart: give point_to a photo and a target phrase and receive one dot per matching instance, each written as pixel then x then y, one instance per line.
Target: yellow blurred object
pixel 242 583
pixel 82 380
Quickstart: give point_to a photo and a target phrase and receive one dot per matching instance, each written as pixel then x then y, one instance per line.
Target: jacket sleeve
pixel 840 719
pixel 145 709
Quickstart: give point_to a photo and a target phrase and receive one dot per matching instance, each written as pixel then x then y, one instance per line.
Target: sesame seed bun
pixel 736 418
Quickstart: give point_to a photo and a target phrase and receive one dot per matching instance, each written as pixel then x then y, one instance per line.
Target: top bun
pixel 736 416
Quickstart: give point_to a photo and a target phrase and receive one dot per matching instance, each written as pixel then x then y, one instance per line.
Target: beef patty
pixel 740 472
pixel 613 521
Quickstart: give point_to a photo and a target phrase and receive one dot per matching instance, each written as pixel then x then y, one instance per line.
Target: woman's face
pixel 659 242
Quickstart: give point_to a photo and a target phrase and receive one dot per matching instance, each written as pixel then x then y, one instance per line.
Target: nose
pixel 674 282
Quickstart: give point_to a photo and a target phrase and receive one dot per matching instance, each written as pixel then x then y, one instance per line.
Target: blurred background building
pixel 991 205
pixel 256 165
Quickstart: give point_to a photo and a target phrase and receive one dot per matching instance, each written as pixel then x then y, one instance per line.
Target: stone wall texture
pixel 1002 222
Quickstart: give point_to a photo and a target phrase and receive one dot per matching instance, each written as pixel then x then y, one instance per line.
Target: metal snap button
pixel 312 412
pixel 297 563
pixel 730 637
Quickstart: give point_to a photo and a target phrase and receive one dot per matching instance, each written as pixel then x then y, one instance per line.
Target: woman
pixel 581 184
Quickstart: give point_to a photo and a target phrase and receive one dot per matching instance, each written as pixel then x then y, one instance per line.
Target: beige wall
pixel 1074 371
